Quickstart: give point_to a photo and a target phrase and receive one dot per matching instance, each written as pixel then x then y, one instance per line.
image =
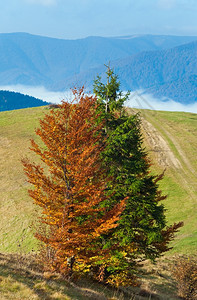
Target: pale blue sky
pixel 71 19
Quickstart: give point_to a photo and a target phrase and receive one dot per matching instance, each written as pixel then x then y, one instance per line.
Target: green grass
pixel 16 209
pixel 179 131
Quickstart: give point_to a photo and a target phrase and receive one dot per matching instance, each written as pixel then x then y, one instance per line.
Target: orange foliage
pixel 71 196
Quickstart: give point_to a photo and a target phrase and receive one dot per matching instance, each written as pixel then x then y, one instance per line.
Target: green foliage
pixel 141 232
pixel 110 97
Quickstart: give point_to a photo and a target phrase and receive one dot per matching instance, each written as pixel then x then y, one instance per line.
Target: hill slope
pixel 165 136
pixel 171 140
pixel 12 100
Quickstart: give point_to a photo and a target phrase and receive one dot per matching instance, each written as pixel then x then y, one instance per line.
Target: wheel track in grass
pixel 164 155
pixel 180 168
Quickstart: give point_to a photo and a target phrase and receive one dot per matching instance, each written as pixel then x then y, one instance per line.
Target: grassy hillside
pixel 16 209
pixel 171 142
pixel 21 277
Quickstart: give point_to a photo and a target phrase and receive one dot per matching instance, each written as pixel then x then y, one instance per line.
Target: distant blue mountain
pixel 183 90
pixel 158 64
pixel 170 73
pixel 12 100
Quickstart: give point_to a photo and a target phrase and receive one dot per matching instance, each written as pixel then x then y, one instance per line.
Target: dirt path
pixel 184 158
pixel 164 155
pixel 166 158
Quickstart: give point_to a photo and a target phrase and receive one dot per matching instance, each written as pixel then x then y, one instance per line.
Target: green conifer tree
pixel 142 231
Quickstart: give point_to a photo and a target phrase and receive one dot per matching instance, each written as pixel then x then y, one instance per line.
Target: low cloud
pixel 39 92
pixel 138 99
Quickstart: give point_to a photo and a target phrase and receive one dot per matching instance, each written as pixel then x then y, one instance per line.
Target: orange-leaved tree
pixel 70 186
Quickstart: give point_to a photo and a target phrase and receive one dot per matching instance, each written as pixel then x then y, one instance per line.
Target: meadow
pixel 171 142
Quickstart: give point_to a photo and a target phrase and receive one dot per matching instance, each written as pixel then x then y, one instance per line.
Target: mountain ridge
pixel 140 61
pixel 150 71
pixel 12 101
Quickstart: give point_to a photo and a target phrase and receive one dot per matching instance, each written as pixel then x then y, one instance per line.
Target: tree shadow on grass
pixel 27 272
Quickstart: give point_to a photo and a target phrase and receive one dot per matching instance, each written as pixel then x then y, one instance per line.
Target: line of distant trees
pixel 12 100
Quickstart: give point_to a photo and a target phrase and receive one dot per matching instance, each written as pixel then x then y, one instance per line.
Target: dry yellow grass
pixel 22 277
